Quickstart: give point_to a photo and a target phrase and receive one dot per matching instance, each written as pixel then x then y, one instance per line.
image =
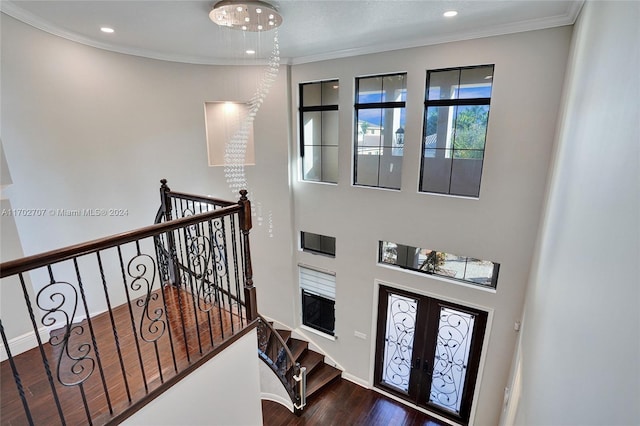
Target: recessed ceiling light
pixel 250 52
pixel 107 30
pixel 450 13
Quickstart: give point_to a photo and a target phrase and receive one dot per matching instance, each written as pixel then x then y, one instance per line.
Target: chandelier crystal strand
pixel 236 148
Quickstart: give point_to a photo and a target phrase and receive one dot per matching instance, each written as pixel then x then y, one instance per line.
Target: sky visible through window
pixel 373 116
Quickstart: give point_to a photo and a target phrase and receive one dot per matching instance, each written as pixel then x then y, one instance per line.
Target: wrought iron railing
pixel 275 352
pixel 125 317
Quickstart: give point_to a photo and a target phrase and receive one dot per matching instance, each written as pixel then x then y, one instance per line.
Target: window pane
pixel 367 166
pixel 370 122
pixel 330 92
pixel 310 241
pixel 329 164
pixel 471 126
pixel 389 253
pixel 436 171
pixel 312 130
pixel 311 94
pixel 399 335
pixel 476 82
pixel 465 177
pixel 328 245
pixel 395 88
pixel 479 271
pixel 451 358
pixel 329 128
pixel 312 163
pixel 443 84
pixel 439 127
pixel 451 265
pixel 318 312
pixel 370 90
pixel 390 168
pixel 463 268
pixel 318 243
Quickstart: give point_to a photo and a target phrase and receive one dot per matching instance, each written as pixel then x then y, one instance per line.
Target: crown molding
pixel 10 8
pixel 512 28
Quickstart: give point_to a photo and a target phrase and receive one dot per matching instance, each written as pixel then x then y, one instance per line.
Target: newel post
pixel 165 199
pixel 245 227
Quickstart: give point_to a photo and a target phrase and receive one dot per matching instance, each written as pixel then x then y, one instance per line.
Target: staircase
pixel 319 373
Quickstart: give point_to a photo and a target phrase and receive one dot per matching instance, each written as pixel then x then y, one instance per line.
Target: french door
pixel 428 351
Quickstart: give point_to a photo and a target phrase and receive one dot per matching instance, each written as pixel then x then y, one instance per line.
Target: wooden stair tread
pixel 322 375
pixel 297 347
pixel 285 334
pixel 311 360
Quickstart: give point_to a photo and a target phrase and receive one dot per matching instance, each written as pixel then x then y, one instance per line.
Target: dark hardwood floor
pixel 130 361
pixel 345 404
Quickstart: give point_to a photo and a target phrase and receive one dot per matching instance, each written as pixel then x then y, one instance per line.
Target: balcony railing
pixel 116 321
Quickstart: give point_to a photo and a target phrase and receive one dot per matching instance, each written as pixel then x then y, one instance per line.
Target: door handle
pixel 416 363
pixel 425 367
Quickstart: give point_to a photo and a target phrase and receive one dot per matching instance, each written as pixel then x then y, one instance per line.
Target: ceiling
pixel 180 30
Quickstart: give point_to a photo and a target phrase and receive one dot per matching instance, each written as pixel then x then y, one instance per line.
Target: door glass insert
pixel 398 347
pixel 451 358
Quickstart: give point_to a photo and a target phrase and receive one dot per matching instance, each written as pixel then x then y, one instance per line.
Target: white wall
pixel 88 128
pixel 501 226
pixel 580 347
pixel 223 392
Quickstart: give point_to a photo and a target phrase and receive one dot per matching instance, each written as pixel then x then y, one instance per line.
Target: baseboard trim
pixel 357 380
pixel 23 343
pixel 278 399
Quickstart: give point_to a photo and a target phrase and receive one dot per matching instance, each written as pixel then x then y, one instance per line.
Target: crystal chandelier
pixel 246 15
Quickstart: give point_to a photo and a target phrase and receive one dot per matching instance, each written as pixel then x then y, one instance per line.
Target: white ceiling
pixel 180 30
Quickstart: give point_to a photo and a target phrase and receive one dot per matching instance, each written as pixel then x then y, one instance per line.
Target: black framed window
pixel 470 270
pixel 456 114
pixel 317 243
pixel 379 130
pixel 318 291
pixel 319 131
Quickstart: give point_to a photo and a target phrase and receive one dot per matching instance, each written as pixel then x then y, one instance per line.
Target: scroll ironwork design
pixel 142 269
pixel 59 301
pixel 400 329
pixel 451 358
pixel 219 248
pixel 163 258
pixel 199 248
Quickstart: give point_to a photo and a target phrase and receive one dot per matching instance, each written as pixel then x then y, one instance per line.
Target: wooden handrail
pixel 199 198
pixel 16 266
pixel 280 339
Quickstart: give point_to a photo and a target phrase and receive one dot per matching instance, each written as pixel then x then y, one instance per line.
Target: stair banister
pixel 296 390
pixel 245 226
pixel 301 379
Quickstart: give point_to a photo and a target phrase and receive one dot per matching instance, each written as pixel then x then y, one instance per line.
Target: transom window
pixel 319 131
pixel 456 113
pixel 479 272
pixel 379 130
pixel 317 243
